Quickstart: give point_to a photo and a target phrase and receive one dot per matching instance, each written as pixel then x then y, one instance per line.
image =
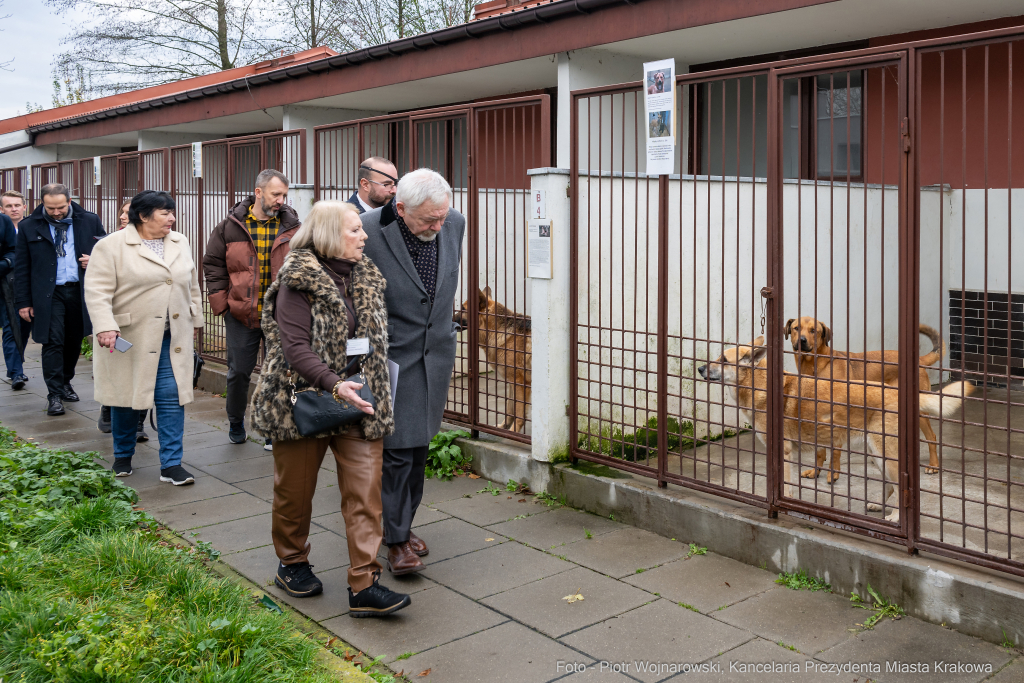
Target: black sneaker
pixel 268 445
pixel 140 433
pixel 298 580
pixel 103 424
pixel 69 393
pixel 237 432
pixel 54 406
pixel 177 475
pixel 18 383
pixel 375 601
pixel 122 467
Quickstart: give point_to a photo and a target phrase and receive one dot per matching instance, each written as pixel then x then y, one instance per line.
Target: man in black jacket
pixel 378 181
pixel 13 343
pixel 54 245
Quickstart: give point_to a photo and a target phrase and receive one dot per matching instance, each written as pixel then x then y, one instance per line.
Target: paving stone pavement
pixel 490 606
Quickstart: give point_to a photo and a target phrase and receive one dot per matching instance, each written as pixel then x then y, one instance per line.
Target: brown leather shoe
pixel 402 560
pixel 418 545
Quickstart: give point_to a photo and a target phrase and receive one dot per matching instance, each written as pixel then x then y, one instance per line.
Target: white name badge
pixel 358 346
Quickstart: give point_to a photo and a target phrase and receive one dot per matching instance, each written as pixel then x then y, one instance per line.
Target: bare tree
pixel 130 44
pixel 315 23
pixel 375 22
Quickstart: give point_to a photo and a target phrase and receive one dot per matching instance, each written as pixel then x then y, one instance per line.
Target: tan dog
pixel 507 343
pixel 820 413
pixel 814 357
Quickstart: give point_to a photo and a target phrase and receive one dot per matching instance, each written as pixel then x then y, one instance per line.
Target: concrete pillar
pixel 588 69
pixel 300 196
pixel 550 322
pixel 309 117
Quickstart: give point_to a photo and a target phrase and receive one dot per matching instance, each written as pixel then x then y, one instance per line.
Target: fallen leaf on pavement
pixel 488 539
pixel 349 657
pixel 474 476
pixel 330 641
pixel 425 672
pixel 727 584
pixel 576 597
pixel 522 500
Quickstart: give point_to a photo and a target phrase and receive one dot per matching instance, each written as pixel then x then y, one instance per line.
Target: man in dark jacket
pixel 10 321
pixel 54 245
pixel 242 258
pixel 378 179
pixel 416 242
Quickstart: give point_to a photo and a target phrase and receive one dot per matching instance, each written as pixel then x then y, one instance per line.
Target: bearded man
pixel 378 182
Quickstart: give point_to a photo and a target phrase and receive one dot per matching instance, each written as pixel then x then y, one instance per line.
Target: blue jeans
pixel 170 417
pixel 12 355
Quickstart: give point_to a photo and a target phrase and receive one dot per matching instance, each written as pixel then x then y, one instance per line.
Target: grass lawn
pixel 90 592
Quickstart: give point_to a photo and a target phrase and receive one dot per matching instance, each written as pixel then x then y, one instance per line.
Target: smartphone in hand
pixel 122 344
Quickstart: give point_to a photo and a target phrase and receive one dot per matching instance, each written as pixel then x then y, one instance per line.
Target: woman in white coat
pixel 143 285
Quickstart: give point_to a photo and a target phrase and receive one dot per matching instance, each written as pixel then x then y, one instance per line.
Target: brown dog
pixel 507 343
pixel 820 413
pixel 814 357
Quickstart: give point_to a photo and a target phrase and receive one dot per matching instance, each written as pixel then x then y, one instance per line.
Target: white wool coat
pixel 130 290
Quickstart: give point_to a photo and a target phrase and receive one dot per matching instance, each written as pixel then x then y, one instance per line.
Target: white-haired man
pixel 416 242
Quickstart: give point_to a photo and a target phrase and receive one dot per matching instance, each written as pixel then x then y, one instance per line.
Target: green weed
pixel 689 607
pixel 550 500
pixel 404 655
pixel 696 550
pixel 642 443
pixel 788 647
pixel 444 458
pixel 491 489
pixel 586 532
pixel 515 487
pixel 800 581
pixel 881 607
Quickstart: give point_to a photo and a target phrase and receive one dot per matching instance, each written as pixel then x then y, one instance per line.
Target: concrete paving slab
pixel 485 509
pixel 162 495
pixel 331 603
pixel 206 439
pixel 241 470
pixel 427 515
pixel 705 581
pixel 326 501
pixel 540 604
pixel 332 522
pixel 454 537
pixel 495 569
pixel 809 621
pixel 257 564
pixel 561 525
pixel 681 636
pixel 264 486
pixel 435 617
pixel 509 652
pixel 437 491
pixel 239 534
pixel 595 673
pixel 621 553
pixel 910 641
pixel 758 661
pixel 202 513
pixel 1011 673
pixel 219 453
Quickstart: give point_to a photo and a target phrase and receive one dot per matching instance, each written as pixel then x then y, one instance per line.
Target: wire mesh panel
pixel 969 161
pixel 216 201
pixel 153 170
pixel 42 174
pixel 127 178
pixel 841 162
pixel 717 263
pixel 508 140
pixel 109 194
pixel 390 138
pixel 286 152
pixel 88 194
pixel 616 275
pixel 12 180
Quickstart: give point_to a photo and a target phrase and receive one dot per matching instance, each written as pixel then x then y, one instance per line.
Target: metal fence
pixel 484 151
pixel 748 325
pixel 12 179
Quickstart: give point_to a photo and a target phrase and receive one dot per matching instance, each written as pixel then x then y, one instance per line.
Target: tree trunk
pixel 401 19
pixel 312 24
pixel 222 34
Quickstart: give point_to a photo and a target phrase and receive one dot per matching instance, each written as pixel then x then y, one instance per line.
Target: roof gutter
pixel 20 145
pixel 539 14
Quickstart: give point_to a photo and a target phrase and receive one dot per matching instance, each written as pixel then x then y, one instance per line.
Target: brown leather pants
pixel 296 465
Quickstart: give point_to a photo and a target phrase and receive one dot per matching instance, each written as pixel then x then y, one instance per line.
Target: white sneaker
pixel 268 445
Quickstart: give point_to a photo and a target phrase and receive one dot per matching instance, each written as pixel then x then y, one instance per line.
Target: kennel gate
pixel 484 151
pixel 872 190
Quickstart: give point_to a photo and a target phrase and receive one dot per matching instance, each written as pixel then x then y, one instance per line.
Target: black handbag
pixel 197 368
pixel 316 411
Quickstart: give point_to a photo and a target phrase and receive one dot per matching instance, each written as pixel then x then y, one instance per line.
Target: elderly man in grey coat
pixel 416 242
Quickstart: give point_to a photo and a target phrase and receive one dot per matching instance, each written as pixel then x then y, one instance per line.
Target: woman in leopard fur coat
pixel 327 293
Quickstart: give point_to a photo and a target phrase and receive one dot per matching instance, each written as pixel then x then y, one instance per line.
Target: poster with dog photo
pixel 660 107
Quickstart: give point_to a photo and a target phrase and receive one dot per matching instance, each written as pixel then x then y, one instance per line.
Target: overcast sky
pixel 32 35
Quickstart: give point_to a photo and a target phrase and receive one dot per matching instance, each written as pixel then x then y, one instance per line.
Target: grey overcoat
pixel 422 337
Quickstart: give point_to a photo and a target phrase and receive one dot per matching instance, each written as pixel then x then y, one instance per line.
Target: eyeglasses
pixel 386 186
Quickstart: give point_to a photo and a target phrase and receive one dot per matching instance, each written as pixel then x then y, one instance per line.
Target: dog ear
pixel 756 355
pixel 483 296
pixel 826 334
pixel 789 326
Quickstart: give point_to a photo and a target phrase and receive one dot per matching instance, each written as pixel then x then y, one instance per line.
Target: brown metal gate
pixel 859 202
pixel 484 151
pixel 12 179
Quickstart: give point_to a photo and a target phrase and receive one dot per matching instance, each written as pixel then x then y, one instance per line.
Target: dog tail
pixel 948 401
pixel 938 346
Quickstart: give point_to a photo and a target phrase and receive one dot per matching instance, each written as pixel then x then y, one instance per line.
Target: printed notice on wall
pixel 97 177
pixel 197 160
pixel 660 98
pixel 538 249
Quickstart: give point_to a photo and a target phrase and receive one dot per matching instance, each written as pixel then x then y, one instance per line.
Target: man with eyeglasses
pixel 416 242
pixel 378 182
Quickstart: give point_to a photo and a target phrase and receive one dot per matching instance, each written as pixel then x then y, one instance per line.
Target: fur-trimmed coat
pixel 271 408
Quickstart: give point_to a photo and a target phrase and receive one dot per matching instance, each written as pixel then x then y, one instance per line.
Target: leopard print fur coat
pixel 271 409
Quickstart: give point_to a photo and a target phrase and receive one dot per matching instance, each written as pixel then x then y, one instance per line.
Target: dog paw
pixel 893 516
pixel 931 470
pixel 811 473
pixel 874 507
pixel 832 477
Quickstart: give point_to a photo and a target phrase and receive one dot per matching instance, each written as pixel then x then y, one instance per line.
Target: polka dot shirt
pixel 424 257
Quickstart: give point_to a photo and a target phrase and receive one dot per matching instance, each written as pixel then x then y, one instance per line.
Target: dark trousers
pixel 64 344
pixel 12 353
pixel 401 490
pixel 243 350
